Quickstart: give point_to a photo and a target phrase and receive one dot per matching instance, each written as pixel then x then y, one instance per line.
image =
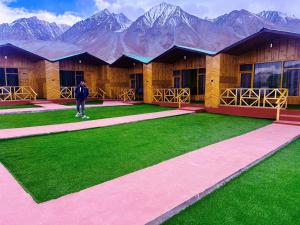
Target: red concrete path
pixel 54 107
pixel 149 195
pixel 58 128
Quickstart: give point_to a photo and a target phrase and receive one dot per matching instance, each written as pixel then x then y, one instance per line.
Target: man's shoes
pixel 78 115
pixel 85 117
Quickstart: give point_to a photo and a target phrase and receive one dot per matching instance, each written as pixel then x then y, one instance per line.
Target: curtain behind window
pixel 291 81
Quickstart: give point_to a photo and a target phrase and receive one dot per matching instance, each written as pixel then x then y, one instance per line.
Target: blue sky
pixel 71 11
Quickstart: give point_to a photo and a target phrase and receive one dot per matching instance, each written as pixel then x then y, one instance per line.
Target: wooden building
pixel 126 77
pixel 181 67
pixel 25 75
pixel 262 64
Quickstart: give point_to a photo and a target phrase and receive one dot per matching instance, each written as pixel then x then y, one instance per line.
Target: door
pixel 291 79
pixel 189 80
pixel 137 83
pixel 246 80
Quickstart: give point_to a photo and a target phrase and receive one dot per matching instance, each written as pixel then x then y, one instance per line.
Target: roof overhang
pixel 83 57
pixel 178 52
pixel 10 49
pixel 129 61
pixel 263 36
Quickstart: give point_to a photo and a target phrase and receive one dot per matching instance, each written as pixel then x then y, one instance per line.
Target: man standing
pixel 81 94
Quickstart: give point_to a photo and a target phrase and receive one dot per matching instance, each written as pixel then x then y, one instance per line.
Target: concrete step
pixel 294 123
pixel 290 118
pixel 193 109
pixel 290 112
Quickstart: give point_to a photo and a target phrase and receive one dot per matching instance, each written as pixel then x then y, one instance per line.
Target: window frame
pixel 7 74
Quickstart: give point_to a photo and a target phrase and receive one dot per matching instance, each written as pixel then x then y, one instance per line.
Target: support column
pixel 148 90
pixel 52 81
pixel 212 83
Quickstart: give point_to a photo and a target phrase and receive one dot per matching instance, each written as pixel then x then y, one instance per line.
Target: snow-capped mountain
pixel 165 25
pixel 31 29
pixel 281 20
pixel 99 34
pixel 243 22
pixel 109 35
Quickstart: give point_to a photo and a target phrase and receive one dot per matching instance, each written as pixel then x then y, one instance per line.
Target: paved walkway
pixel 149 195
pixel 54 107
pixel 58 128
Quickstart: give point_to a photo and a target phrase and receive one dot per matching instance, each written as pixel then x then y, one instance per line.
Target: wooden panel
pixel 212 84
pixel 190 63
pixel 162 75
pixel 148 91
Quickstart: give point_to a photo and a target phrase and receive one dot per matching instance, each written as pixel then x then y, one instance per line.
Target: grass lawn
pixel 18 106
pixel 293 106
pixel 54 165
pixel 267 194
pixel 68 116
pixel 87 103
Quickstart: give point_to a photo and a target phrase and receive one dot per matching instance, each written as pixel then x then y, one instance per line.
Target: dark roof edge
pixel 263 30
pixel 23 50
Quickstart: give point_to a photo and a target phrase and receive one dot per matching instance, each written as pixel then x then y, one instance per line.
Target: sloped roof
pixel 256 39
pixel 8 47
pixel 54 51
pixel 127 60
pixel 178 51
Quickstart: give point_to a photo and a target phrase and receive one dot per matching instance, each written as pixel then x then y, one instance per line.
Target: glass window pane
pixel 292 64
pixel 291 81
pixel 67 78
pixel 201 84
pixel 11 70
pixel 132 84
pixel 246 67
pixel 2 77
pixel 246 80
pixel 12 80
pixel 267 75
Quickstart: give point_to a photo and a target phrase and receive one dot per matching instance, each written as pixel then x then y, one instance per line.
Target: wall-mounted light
pixel 271 45
pixel 184 57
pixel 5 57
pixel 133 64
pixel 80 61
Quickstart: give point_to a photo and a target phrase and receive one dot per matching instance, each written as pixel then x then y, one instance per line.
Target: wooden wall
pixel 119 78
pixel 191 62
pixel 162 75
pixel 228 73
pixel 94 75
pixel 26 68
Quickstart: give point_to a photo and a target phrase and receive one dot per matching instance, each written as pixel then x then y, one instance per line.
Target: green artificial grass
pixel 294 107
pixel 87 103
pixel 68 116
pixel 51 166
pixel 18 106
pixel 267 194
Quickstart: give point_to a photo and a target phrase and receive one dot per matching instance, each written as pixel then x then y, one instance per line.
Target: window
pixel 9 77
pixel 246 67
pixel 291 81
pixel 246 80
pixel 70 78
pixel 291 77
pixel 201 81
pixel 267 75
pixel 137 83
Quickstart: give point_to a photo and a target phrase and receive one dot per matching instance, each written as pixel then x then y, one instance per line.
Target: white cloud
pixel 8 15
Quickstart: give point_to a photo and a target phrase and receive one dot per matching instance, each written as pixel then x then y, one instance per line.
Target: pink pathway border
pixel 151 195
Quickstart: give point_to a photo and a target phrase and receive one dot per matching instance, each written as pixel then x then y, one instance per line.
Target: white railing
pixel 15 93
pixel 172 95
pixel 255 97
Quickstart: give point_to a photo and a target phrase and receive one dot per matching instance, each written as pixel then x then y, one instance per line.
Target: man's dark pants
pixel 80 104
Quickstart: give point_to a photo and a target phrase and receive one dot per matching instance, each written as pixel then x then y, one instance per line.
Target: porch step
pixel 193 109
pixel 290 112
pixel 290 118
pixel 286 122
pixel 41 102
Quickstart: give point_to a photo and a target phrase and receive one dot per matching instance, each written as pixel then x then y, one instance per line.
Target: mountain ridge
pixel 109 35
